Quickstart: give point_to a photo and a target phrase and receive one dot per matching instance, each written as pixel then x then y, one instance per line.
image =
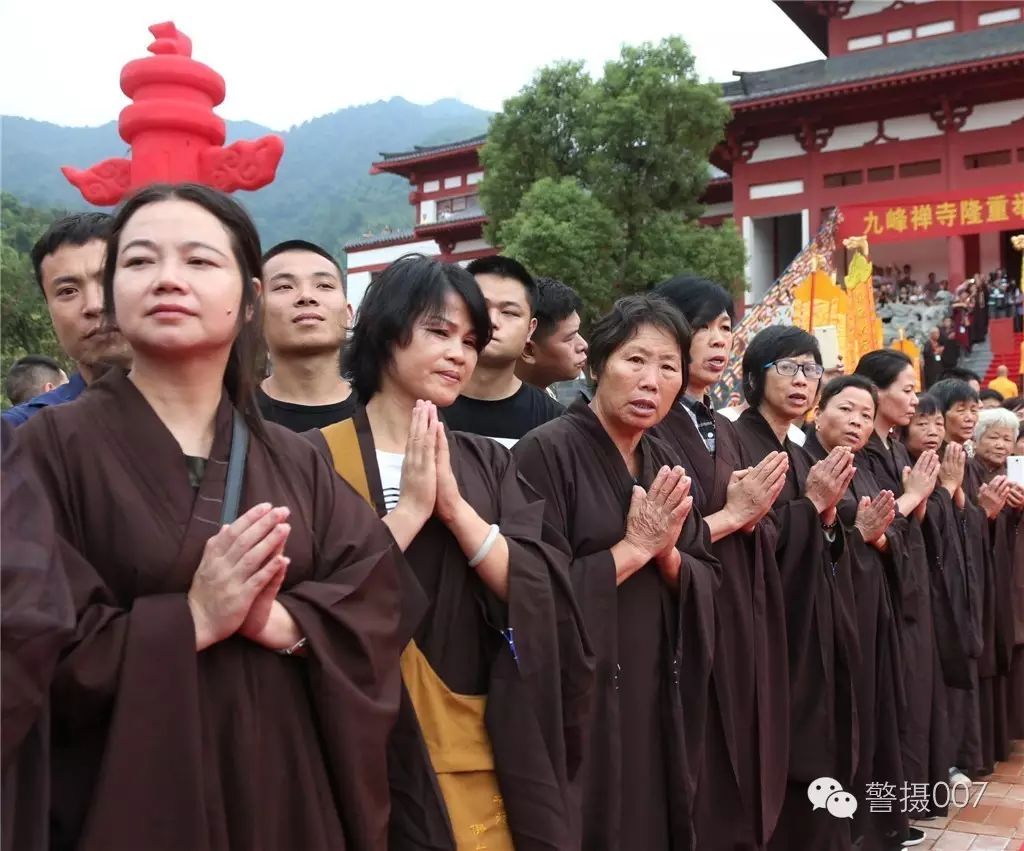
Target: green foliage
pixel 636 143
pixel 562 230
pixel 24 320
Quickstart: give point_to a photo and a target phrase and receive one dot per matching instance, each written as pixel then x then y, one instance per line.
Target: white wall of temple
pixel 386 254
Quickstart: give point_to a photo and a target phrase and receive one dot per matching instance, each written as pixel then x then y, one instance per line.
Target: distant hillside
pixel 323 191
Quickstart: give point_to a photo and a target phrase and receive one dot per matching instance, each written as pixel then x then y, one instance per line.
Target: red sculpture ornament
pixel 174 134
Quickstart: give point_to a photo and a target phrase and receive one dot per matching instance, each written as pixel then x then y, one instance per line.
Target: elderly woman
pixel 744 775
pixel 924 730
pixel 994 439
pixel 644 577
pixel 878 548
pixel 781 373
pixel 985 496
pixel 487 743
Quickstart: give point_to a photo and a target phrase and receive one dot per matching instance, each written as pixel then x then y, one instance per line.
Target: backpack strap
pixel 236 469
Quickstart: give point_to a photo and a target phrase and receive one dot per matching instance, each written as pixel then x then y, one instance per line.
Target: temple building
pixel 913 126
pixel 445 208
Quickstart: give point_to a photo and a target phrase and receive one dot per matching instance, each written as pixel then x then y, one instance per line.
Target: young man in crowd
pixel 496 402
pixel 31 376
pixel 556 351
pixel 68 263
pixel 306 316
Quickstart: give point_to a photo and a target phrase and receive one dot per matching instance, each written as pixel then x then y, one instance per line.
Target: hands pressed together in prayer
pixel 653 525
pixel 235 587
pixel 828 480
pixel 429 489
pixel 951 472
pixel 874 517
pixel 918 483
pixel 993 496
pixel 752 492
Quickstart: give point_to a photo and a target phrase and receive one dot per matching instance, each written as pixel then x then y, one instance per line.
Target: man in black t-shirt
pixel 496 403
pixel 556 351
pixel 306 317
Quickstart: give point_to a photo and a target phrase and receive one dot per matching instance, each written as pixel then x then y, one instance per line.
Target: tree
pixel 562 230
pixel 25 326
pixel 637 142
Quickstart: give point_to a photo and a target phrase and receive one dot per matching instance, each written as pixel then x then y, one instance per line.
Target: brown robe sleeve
pixel 37 619
pixel 350 614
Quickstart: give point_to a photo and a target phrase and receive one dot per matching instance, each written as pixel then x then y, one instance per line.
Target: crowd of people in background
pixel 280 576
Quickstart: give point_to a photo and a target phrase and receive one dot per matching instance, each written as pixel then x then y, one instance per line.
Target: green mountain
pixel 323 191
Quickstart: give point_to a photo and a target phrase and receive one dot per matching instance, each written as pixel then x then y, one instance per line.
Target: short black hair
pixel 951 391
pixel 506 267
pixel 989 393
pixel 699 300
pixel 883 366
pixel 555 302
pixel 27 375
pixel 305 245
pixel 411 287
pixel 622 323
pixel 769 345
pixel 845 382
pixel 958 373
pixel 1014 403
pixel 76 229
pixel 927 405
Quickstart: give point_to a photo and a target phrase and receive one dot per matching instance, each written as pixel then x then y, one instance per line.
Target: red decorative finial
pixel 174 134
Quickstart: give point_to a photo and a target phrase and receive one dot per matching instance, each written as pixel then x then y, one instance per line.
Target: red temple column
pixel 956 260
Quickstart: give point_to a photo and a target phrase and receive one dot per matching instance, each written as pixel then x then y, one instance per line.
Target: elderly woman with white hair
pixel 994 437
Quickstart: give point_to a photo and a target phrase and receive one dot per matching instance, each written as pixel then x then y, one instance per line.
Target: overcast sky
pixel 60 59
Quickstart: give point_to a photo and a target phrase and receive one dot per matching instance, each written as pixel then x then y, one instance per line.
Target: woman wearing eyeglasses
pixel 781 379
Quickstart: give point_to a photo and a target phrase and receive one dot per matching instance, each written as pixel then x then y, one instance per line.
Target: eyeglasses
pixel 789 368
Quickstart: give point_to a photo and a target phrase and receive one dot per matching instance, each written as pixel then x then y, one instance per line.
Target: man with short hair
pixel 32 376
pixel 991 398
pixel 961 374
pixel 496 403
pixel 306 316
pixel 555 351
pixel 68 261
pixel 1002 383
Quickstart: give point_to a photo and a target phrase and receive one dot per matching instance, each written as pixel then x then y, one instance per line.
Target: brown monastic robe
pixel 36 621
pixel 823 649
pixel 925 731
pixel 879 684
pixel 161 748
pixel 529 655
pixel 743 780
pixel 653 644
pixel 957 594
pixel 993 547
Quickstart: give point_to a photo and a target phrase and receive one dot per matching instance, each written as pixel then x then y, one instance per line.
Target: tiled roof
pixel 386 238
pixel 863 65
pixel 460 220
pixel 430 150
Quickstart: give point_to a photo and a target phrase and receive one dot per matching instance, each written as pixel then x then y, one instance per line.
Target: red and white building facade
pixel 444 185
pixel 915 101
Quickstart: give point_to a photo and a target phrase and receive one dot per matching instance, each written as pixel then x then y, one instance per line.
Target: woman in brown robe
pixel 924 734
pixel 781 373
pixel 994 437
pixel 644 577
pixel 743 778
pixel 36 621
pixel 983 504
pixel 497 677
pixel 956 590
pixel 231 683
pixel 877 547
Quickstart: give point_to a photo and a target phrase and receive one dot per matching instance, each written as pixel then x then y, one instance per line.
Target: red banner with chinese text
pixel 929 217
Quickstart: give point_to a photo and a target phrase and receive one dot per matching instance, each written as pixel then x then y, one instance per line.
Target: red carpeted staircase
pixel 1010 357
